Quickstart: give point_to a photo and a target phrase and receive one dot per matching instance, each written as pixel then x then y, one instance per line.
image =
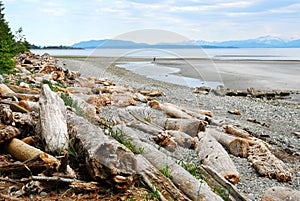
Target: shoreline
pixel 282 117
pixel 235 74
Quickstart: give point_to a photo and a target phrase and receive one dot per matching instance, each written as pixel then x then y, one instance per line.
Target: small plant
pixel 223 193
pixel 52 87
pixel 69 102
pixel 148 119
pixel 153 194
pixel 194 170
pixel 165 171
pixel 119 136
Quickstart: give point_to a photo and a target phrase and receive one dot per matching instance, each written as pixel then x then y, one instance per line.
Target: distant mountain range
pixel 261 42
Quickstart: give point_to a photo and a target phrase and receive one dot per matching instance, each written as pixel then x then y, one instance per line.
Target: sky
pixel 65 22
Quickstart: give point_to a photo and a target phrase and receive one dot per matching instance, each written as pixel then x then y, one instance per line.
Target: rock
pixel 235 111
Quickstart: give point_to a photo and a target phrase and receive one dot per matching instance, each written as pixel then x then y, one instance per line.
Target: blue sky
pixel 57 22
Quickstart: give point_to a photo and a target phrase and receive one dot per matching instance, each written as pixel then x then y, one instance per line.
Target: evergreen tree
pixel 9 44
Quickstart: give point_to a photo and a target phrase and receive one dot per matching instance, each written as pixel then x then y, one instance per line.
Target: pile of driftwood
pixel 251 92
pixel 49 113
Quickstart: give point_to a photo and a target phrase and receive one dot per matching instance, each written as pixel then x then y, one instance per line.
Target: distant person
pixel 154 58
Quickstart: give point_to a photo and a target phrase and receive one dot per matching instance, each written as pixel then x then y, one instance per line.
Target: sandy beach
pixel 234 74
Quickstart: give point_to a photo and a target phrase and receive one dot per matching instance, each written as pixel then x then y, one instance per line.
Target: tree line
pixel 11 44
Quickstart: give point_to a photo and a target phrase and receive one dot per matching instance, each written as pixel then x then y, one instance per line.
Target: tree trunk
pixel 281 194
pixel 237 146
pixel 189 126
pixel 106 158
pixel 267 164
pixel 23 152
pixel 191 186
pixel 233 130
pixel 155 179
pixel 215 156
pixel 52 125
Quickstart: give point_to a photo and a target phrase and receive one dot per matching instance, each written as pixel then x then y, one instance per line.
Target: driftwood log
pixel 267 164
pixel 233 130
pixel 23 152
pixel 215 156
pixel 281 194
pixel 106 158
pixel 8 132
pixel 52 125
pixel 236 146
pixel 191 186
pixel 151 175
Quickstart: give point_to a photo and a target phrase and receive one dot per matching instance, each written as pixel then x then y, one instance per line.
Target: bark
pixel 155 179
pixel 281 194
pixel 23 152
pixel 8 132
pixel 233 130
pixel 215 156
pixel 267 164
pixel 191 186
pixel 106 158
pixel 236 146
pixel 52 125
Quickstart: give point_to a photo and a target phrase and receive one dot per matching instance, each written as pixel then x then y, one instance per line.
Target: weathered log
pixel 52 125
pixel 155 179
pixel 151 93
pixel 4 89
pixel 19 96
pixel 237 146
pixel 18 108
pixel 209 174
pixel 106 158
pixel 281 194
pixel 191 186
pixel 267 164
pixel 23 90
pixel 23 152
pixel 177 112
pixel 141 119
pixel 8 132
pixel 233 130
pixel 214 155
pixel 188 126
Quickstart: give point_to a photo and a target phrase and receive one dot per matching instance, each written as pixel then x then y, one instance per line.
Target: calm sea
pixel 214 53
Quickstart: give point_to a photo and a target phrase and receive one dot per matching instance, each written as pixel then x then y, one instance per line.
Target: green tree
pixel 10 45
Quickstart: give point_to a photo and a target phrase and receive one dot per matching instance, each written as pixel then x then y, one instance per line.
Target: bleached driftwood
pixel 191 186
pixel 214 155
pixel 155 179
pixel 177 112
pixel 281 194
pixel 4 89
pixel 233 130
pixel 52 125
pixel 237 146
pixel 106 158
pixel 267 164
pixel 188 126
pixel 23 152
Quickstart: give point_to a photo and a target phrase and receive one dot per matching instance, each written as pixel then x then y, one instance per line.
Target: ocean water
pixel 213 53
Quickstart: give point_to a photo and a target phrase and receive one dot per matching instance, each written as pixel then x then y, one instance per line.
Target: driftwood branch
pixel 281 194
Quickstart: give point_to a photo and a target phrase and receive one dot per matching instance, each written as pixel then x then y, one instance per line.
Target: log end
pixel 232 178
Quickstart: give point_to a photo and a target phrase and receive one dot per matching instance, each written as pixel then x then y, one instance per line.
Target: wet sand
pixel 234 74
pixel 241 74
